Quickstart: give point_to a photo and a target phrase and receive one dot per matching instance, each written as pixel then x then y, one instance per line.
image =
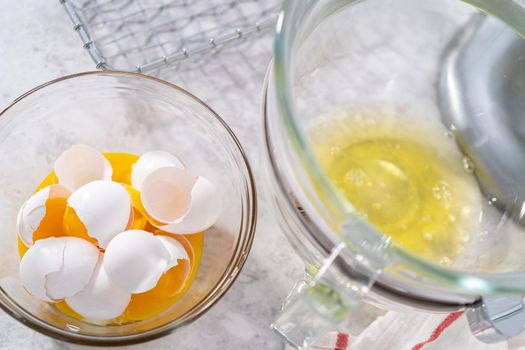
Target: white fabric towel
pixel 414 331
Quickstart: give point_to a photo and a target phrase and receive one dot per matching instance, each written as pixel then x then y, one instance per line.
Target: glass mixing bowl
pixel 122 112
pixel 456 69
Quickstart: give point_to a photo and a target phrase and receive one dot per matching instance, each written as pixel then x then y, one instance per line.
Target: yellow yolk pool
pixel 62 220
pixel 74 227
pixel 411 185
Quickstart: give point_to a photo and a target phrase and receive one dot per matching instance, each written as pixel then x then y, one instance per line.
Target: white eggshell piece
pixel 79 261
pixel 42 259
pixel 175 249
pixel 20 227
pixel 34 209
pixel 81 164
pixel 150 162
pixel 104 207
pixel 206 205
pixel 100 299
pixel 135 260
pixel 166 194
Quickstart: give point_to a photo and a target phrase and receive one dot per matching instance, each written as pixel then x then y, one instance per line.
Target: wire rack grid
pixel 147 35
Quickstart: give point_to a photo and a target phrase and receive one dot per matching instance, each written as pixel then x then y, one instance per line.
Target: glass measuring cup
pixel 403 57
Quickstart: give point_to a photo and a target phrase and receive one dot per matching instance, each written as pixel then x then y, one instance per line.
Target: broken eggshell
pixel 55 268
pixel 33 211
pixel 135 260
pixel 179 202
pixel 104 209
pixel 166 194
pixel 79 260
pixel 204 211
pixel 80 165
pixel 175 249
pixel 151 161
pixel 99 299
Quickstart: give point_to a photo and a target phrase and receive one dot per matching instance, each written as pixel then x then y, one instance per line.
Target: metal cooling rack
pixel 147 35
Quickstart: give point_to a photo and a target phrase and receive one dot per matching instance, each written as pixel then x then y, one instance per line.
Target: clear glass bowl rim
pixel 241 250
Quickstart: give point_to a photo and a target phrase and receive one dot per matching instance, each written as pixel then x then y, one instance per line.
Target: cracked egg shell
pixel 175 249
pixel 34 217
pixel 100 299
pixel 98 212
pixel 135 260
pixel 166 194
pixel 80 165
pixel 151 161
pixel 204 210
pixel 55 268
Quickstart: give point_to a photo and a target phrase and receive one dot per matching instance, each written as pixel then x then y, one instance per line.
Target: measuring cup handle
pixel 315 308
pixel 309 312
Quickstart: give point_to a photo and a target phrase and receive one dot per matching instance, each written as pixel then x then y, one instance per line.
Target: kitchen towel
pixel 413 331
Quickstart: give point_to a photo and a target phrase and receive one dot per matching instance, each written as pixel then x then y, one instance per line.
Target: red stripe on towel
pixel 439 329
pixel 342 341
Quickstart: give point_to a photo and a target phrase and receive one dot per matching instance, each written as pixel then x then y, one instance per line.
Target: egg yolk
pixel 64 308
pixel 139 221
pixel 22 249
pixel 122 165
pixel 62 220
pixel 73 226
pixel 50 226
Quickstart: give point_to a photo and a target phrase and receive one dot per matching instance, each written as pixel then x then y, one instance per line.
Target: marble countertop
pixel 39 44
